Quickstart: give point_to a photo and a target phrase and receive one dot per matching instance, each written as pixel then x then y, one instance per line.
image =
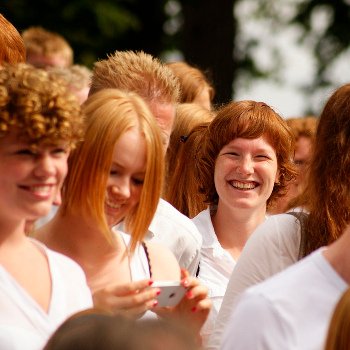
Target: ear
pixel 277 177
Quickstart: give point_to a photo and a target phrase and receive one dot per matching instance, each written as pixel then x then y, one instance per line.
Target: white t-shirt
pixel 176 231
pixel 216 266
pixel 272 247
pixel 23 323
pixel 291 310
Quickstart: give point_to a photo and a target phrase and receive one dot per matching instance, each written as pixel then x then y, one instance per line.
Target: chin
pixel 112 220
pixel 38 213
pixel 245 204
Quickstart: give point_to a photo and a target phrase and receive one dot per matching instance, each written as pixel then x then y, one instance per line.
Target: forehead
pixel 15 139
pixel 42 61
pixel 261 142
pixel 130 151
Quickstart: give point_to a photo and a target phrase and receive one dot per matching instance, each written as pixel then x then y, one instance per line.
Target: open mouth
pixel 113 205
pixel 40 190
pixel 244 186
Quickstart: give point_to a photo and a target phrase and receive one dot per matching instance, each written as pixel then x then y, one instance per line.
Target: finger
pixel 184 273
pixel 137 299
pixel 197 292
pixel 203 305
pixel 137 311
pixel 128 288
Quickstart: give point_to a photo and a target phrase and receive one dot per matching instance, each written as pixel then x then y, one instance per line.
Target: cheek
pixel 63 168
pixel 136 195
pixel 272 173
pixel 222 167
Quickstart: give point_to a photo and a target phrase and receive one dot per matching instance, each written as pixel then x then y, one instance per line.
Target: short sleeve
pixel 255 324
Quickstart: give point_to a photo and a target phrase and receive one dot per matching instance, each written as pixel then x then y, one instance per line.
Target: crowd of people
pixel 123 187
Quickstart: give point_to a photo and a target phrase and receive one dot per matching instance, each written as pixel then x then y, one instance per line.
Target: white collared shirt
pixel 216 266
pixel 178 233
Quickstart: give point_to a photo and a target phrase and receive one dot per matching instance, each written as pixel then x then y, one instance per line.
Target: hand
pixel 194 307
pixel 130 300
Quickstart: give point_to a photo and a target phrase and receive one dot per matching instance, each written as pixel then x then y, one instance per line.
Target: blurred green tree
pixel 206 31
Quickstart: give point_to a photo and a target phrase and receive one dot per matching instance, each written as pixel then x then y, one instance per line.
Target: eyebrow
pixel 260 149
pixel 142 173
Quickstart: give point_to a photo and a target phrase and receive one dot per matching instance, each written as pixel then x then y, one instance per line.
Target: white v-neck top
pixel 23 323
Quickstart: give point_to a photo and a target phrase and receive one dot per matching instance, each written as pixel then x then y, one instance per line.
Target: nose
pixel 121 188
pixel 45 166
pixel 245 166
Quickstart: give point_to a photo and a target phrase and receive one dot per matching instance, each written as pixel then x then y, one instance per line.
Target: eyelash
pixel 257 156
pixel 28 152
pixel 25 152
pixel 137 182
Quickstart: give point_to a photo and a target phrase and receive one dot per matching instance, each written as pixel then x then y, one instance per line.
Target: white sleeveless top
pixel 139 266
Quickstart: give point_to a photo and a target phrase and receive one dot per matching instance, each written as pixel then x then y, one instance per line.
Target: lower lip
pixel 38 195
pixel 243 189
pixel 112 208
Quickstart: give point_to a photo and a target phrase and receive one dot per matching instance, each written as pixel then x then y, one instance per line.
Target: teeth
pixel 243 185
pixel 40 189
pixel 113 205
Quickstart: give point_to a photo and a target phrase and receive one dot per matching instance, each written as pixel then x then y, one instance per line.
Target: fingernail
pixel 185 283
pixel 155 303
pixel 189 294
pixel 194 309
pixel 158 292
pixel 150 282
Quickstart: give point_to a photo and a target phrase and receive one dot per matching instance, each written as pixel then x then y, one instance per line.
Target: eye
pixel 300 162
pixel 138 182
pixel 233 154
pixel 113 172
pixel 262 156
pixel 59 151
pixel 26 152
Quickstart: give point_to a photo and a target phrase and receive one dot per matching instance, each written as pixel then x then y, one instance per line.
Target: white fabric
pixel 292 310
pixel 139 268
pixel 272 247
pixel 177 232
pixel 45 219
pixel 170 228
pixel 23 323
pixel 216 266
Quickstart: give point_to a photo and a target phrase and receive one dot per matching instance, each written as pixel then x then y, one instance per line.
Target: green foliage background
pixel 206 36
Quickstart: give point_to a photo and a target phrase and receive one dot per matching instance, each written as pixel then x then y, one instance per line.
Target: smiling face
pixel 126 176
pixel 245 173
pixel 29 179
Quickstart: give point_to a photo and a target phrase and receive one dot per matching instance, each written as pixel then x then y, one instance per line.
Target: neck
pixel 76 237
pixel 233 227
pixel 11 232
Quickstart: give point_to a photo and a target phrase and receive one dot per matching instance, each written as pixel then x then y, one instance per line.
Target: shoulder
pixel 202 220
pixel 296 279
pixel 169 218
pixel 254 323
pixel 163 262
pixel 279 234
pixel 62 264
